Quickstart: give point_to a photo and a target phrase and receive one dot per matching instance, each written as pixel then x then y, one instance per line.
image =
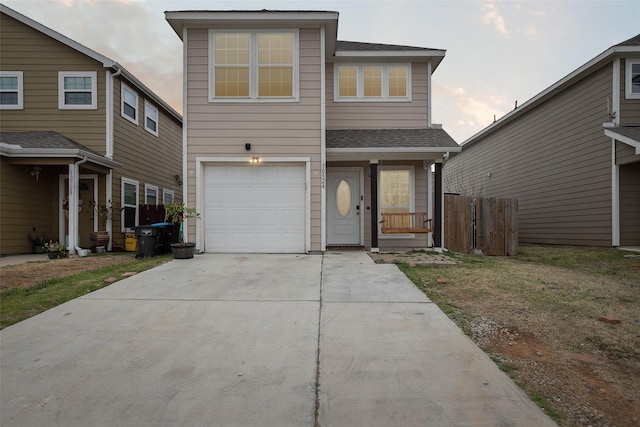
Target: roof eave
pixel 611 133
pixel 106 62
pixel 9 151
pixel 551 90
pixel 435 55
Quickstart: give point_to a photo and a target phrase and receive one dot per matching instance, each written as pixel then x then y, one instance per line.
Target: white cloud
pixel 492 16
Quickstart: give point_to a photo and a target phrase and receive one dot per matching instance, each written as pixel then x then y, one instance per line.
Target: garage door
pixel 255 208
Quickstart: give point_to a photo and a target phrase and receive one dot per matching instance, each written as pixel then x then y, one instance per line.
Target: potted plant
pixel 38 241
pixel 177 213
pixel 55 250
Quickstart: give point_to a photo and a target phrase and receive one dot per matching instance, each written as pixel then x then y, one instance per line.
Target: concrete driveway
pixel 254 340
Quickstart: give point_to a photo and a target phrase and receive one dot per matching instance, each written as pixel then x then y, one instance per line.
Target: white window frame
pixel 150 107
pixel 136 107
pixel 412 198
pixel 166 192
pixel 147 188
pixel 94 90
pixel 628 93
pixel 253 66
pixel 360 83
pixel 20 104
pixel 122 215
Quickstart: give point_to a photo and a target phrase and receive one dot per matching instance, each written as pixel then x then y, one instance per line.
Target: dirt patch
pixel 542 324
pixel 29 274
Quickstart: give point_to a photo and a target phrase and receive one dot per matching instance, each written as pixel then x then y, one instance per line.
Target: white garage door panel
pixel 255 208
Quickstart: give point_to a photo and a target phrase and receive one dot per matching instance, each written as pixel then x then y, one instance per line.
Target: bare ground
pixel 30 274
pixel 542 325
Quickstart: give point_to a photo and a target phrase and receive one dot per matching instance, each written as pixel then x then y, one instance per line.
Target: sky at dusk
pixel 497 51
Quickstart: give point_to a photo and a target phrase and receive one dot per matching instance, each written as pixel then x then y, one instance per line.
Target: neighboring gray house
pixel 296 141
pixel 571 155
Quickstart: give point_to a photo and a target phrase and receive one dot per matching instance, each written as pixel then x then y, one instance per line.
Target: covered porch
pixel 384 188
pixel 44 174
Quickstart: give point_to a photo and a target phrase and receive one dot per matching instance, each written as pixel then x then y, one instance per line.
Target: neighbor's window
pixel 167 197
pixel 129 108
pixel 11 93
pixel 77 90
pixel 150 118
pixel 150 194
pixel 372 83
pixel 396 190
pixel 253 65
pixel 130 203
pixel 633 80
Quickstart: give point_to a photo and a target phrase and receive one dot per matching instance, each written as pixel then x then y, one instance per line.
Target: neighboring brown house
pixel 571 155
pixel 67 111
pixel 296 141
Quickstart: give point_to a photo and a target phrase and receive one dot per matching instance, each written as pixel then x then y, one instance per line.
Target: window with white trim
pixel 130 203
pixel 396 189
pixel 372 82
pixel 150 194
pixel 77 90
pixel 150 118
pixel 167 196
pixel 11 91
pixel 253 65
pixel 129 108
pixel 632 74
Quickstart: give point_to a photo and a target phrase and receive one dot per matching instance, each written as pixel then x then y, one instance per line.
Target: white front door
pixel 344 206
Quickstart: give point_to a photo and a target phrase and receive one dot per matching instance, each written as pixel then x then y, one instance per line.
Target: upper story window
pixel 129 108
pixel 253 65
pixel 77 90
pixel 150 118
pixel 632 79
pixel 372 82
pixel 11 93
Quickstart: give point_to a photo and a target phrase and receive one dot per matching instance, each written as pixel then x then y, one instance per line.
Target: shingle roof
pixel 390 138
pixel 632 132
pixel 633 41
pixel 358 46
pixel 42 139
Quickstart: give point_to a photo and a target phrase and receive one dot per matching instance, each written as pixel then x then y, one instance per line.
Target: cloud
pixel 492 16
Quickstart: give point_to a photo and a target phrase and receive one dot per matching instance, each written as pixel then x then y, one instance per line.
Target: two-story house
pixel 77 130
pixel 296 141
pixel 571 155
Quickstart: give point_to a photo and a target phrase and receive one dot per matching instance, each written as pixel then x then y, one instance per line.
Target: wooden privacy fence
pixel 150 214
pixel 489 225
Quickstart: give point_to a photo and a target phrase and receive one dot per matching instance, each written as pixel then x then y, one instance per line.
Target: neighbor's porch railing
pixel 402 223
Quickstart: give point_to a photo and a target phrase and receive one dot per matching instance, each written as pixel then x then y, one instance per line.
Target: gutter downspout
pixel 74 189
pixel 110 146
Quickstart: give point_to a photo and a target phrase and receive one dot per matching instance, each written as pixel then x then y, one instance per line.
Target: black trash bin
pixel 164 236
pixel 147 239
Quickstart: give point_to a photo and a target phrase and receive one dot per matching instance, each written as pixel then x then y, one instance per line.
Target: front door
pixel 344 206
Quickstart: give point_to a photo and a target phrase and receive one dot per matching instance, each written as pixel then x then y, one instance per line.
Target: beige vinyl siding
pixel 630 204
pixel 26 206
pixel 147 158
pixel 555 159
pixel 40 58
pixel 367 115
pixel 278 129
pixel 629 108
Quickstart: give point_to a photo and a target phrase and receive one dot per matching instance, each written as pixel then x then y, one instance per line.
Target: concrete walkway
pixel 254 340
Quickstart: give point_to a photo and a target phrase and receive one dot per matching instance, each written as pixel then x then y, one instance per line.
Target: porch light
pixel 255 160
pixel 35 171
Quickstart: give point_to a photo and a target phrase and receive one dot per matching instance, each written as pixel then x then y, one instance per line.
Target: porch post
pixel 373 173
pixel 73 209
pixel 437 211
